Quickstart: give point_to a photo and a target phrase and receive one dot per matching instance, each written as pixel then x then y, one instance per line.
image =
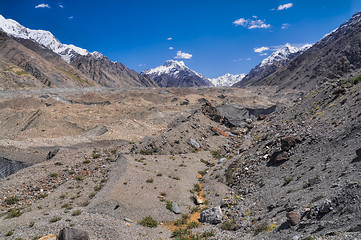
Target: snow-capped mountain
pixel 45 39
pixel 272 63
pixel 176 74
pixel 227 80
pixel 284 54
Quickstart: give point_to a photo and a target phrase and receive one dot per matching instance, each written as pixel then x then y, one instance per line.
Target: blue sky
pixel 215 37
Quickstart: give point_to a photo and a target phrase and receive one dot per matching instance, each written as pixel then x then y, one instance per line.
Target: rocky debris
pixel 213 215
pixel 261 117
pixel 213 113
pixel 176 209
pixel 288 142
pixel 52 154
pixel 293 218
pixel 73 234
pixel 314 181
pixel 356 228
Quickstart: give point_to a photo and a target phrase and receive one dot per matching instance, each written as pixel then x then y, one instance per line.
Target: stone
pixel 49 237
pixel 358 152
pixel 52 154
pixel 194 143
pixel 261 117
pixel 293 218
pixel 314 181
pixel 176 208
pixel 325 207
pixel 278 157
pixel 221 160
pixel 128 220
pixel 200 200
pixel 213 215
pixel 356 228
pixel 73 234
pixel 287 143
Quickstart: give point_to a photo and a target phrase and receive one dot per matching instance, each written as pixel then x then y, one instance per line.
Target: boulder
pixel 52 154
pixel 325 207
pixel 293 218
pixel 287 143
pixel 278 157
pixel 213 215
pixel 176 208
pixel 73 234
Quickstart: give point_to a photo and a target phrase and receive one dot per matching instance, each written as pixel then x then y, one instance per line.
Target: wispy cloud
pixel 43 5
pixel 169 39
pixel 285 25
pixel 61 5
pixel 251 24
pixel 285 6
pixel 171 48
pixel 71 17
pixel 260 49
pixel 182 55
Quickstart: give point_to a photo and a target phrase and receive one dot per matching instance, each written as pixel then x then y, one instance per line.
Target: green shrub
pixel 260 228
pixel 193 224
pixel 287 180
pixel 169 206
pixel 149 221
pixel 8 234
pixel 13 213
pixel 11 200
pixel 54 175
pixel 55 219
pixel 86 161
pixel 227 225
pixel 76 212
pixel 149 180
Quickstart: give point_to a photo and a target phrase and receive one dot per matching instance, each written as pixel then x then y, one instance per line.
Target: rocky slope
pixel 176 74
pixel 272 63
pixel 335 56
pixel 81 66
pixel 227 80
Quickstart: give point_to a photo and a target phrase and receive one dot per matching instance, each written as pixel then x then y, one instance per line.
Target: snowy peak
pixel 45 39
pixel 176 74
pixel 227 80
pixel 284 54
pixel 170 67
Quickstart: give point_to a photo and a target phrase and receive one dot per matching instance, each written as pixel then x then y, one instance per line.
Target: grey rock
pixel 73 234
pixel 52 154
pixel 325 207
pixel 128 220
pixel 221 160
pixel 213 215
pixel 194 143
pixel 176 208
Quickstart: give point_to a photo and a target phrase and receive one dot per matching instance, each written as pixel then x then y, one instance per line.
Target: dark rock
pixel 212 113
pixel 358 152
pixel 213 215
pixel 325 207
pixel 185 102
pixel 222 96
pixel 73 234
pixel 293 218
pixel 338 91
pixel 278 157
pixel 52 154
pixel 287 143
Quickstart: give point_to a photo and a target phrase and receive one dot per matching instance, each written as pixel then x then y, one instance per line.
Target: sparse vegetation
pixel 149 180
pixel 11 200
pixel 76 212
pixel 13 213
pixel 79 178
pixel 55 219
pixel 287 180
pixel 169 205
pixel 193 224
pixel 149 221
pixel 8 234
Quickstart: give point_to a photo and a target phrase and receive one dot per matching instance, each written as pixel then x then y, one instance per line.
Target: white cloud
pixel 182 55
pixel 43 5
pixel 171 48
pixel 254 16
pixel 61 5
pixel 71 17
pixel 285 6
pixel 264 54
pixel 169 39
pixel 251 24
pixel 261 49
pixel 248 59
pixel 285 25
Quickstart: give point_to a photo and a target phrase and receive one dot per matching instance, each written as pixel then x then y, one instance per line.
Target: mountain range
pixel 35 58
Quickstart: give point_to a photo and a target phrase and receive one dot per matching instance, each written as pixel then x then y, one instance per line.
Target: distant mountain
pixel 276 60
pixel 82 67
pixel 227 80
pixel 176 74
pixel 336 56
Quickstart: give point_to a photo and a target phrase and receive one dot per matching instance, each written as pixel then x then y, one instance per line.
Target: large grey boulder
pixel 176 208
pixel 73 234
pixel 213 215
